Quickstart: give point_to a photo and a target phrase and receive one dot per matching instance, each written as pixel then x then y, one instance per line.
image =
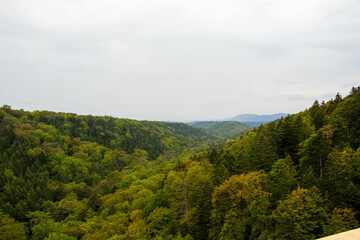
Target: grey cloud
pixel 177 60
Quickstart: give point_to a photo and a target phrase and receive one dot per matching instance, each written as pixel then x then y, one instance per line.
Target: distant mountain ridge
pixel 257 118
pixel 247 120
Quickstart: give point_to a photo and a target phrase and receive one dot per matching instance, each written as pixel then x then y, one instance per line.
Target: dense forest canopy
pixel 225 129
pixel 66 176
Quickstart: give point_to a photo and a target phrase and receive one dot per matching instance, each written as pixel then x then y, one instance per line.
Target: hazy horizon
pixel 177 60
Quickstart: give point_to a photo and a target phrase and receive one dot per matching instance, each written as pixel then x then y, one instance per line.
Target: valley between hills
pixel 68 176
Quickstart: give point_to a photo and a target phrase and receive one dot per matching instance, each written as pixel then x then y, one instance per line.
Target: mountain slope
pixel 257 118
pixel 202 124
pixel 312 157
pixel 223 129
pixel 117 134
pixel 295 178
pixel 252 120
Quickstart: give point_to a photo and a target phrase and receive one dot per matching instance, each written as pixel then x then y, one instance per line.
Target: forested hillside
pixel 65 176
pixel 224 129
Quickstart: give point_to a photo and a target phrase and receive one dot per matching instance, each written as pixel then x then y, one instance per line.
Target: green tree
pixel 341 220
pixel 199 189
pixel 240 206
pixel 300 216
pixel 283 178
pixel 11 229
pixel 340 171
pixel 138 229
pixel 315 150
pixel 161 222
pixel 43 229
pixel 59 236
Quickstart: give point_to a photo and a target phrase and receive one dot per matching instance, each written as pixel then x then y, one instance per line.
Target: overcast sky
pixel 177 60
